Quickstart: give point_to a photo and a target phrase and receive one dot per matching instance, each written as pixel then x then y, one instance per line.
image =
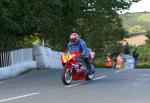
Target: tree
pixel 148 36
pixel 97 21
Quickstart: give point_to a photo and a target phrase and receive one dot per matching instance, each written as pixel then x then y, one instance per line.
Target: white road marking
pixel 100 77
pixel 85 81
pixel 120 70
pixel 18 97
pixel 76 84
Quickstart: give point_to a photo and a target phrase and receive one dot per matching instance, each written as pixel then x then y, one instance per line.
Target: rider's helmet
pixel 74 37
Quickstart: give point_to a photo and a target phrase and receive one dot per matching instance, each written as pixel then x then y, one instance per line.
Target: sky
pixel 143 5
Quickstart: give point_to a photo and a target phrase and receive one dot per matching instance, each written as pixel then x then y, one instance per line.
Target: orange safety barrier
pixel 108 64
pixel 108 61
pixel 119 64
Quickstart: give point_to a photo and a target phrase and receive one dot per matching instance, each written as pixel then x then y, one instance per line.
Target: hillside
pixel 136 22
pixel 137 40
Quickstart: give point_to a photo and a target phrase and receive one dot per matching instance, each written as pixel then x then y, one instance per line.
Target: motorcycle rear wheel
pixel 90 77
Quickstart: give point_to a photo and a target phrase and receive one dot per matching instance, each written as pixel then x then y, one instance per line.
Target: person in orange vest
pixel 108 60
pixel 119 61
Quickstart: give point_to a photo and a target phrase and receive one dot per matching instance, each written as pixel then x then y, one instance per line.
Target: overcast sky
pixel 143 5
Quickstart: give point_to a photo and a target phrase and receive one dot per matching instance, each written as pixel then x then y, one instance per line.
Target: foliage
pixel 99 62
pixel 97 22
pixel 136 22
pixel 8 42
pixel 144 65
pixel 145 50
pixel 148 36
pixel 30 40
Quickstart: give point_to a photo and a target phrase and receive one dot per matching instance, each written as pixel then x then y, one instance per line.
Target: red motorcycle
pixel 75 68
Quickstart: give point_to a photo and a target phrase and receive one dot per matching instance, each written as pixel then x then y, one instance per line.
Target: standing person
pixel 77 44
pixel 126 49
pixel 119 61
pixel 135 55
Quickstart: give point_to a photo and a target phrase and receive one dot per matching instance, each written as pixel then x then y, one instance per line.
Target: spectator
pixel 119 61
pixel 129 62
pixel 126 49
pixel 135 55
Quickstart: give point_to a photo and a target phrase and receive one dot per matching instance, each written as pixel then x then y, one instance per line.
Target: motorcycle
pixel 75 68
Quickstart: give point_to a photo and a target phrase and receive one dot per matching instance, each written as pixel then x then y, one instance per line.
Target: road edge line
pixel 18 97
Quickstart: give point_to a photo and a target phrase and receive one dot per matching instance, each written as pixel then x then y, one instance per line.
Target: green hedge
pixel 145 65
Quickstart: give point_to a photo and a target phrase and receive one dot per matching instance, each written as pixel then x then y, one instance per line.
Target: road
pixel 109 86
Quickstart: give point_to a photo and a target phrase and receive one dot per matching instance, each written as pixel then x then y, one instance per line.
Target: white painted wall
pixel 47 58
pixel 16 69
pixel 18 61
pixel 22 60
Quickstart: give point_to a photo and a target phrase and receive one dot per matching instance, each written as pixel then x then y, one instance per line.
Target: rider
pixel 77 44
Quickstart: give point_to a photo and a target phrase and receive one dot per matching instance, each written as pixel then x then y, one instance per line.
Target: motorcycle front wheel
pixel 66 76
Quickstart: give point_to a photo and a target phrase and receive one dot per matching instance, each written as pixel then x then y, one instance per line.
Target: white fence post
pixel 12 58
pixel 22 55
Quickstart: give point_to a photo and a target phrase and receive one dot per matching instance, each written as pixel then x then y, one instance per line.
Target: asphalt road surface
pixel 109 86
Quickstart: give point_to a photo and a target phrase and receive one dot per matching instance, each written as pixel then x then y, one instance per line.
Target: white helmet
pixel 74 37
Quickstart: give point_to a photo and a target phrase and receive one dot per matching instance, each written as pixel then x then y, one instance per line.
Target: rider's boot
pixel 88 64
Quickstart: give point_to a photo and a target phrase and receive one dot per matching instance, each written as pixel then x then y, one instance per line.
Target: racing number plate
pixel 66 57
